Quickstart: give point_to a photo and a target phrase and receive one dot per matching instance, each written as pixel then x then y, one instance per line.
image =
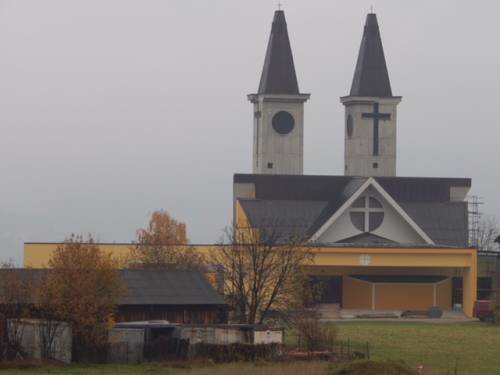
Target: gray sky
pixel 110 109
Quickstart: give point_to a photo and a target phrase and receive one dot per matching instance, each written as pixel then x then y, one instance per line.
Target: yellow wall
pixel 37 255
pixel 403 296
pixel 343 261
pixel 356 294
pixel 395 257
pixel 241 217
pixel 443 294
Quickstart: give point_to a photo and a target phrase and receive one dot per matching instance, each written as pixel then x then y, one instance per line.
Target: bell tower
pixel 278 108
pixel 370 111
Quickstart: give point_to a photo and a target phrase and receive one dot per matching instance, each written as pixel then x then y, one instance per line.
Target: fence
pixel 236 351
pixel 342 350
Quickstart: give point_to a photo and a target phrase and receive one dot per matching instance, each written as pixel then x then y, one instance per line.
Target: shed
pixel 175 296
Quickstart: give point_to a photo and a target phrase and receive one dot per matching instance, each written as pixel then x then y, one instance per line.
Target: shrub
pixel 372 368
pixel 496 316
pixel 237 352
pixel 315 335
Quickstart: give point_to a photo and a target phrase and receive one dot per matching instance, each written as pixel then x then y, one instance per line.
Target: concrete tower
pixel 278 107
pixel 370 111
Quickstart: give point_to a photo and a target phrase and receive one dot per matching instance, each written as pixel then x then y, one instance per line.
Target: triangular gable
pixel 349 202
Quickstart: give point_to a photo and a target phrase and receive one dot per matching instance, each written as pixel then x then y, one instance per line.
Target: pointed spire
pixel 371 77
pixel 278 74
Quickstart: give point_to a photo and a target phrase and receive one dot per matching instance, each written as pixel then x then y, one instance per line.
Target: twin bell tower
pixel 370 110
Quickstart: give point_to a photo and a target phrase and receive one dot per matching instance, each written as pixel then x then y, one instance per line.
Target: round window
pixel 283 122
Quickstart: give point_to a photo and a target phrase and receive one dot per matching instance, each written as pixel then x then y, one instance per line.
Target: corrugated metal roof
pixel 160 287
pixel 151 287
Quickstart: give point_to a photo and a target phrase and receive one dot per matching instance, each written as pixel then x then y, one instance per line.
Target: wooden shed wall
pixel 174 314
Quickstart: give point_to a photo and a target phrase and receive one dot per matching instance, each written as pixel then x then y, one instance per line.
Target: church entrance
pixel 331 289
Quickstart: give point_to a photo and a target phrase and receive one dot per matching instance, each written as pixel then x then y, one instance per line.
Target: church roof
pixel 371 77
pixel 278 74
pixel 446 223
pixel 303 204
pixel 293 218
pixel 337 188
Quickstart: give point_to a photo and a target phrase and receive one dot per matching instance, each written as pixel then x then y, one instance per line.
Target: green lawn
pixel 436 346
pixel 475 345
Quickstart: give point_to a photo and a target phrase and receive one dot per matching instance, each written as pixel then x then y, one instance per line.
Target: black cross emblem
pixel 376 116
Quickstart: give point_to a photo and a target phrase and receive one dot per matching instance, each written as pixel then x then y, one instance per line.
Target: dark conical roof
pixel 278 75
pixel 371 77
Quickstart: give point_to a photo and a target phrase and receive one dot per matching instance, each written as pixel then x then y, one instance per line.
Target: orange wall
pixel 37 255
pixel 403 296
pixel 443 297
pixel 344 261
pixel 356 294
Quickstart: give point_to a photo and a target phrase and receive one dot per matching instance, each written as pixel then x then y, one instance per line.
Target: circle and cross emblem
pixel 367 214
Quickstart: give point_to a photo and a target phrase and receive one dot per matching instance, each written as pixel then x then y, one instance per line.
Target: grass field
pixel 160 369
pixel 436 346
pixel 475 345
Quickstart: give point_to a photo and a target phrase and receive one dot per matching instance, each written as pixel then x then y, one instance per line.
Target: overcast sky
pixel 110 109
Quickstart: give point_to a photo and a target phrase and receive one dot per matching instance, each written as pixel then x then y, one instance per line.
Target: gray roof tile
pixel 371 77
pixel 307 202
pixel 152 287
pixel 278 74
pixel 160 287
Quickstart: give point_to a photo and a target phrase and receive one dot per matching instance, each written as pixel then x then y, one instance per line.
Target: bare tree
pixel 49 326
pixel 16 288
pixel 488 231
pixel 261 268
pixel 49 329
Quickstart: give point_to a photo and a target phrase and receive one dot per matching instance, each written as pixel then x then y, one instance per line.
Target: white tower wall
pixel 360 158
pixel 275 153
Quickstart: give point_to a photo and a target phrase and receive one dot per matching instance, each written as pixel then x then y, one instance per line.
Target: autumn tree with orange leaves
pixel 83 287
pixel 164 244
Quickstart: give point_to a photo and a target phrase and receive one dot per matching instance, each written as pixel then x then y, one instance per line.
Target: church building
pixel 381 242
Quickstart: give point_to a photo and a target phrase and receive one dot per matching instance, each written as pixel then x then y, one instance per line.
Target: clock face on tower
pixel 283 122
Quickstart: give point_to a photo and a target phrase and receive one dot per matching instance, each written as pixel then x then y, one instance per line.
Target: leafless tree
pixel 261 268
pixel 488 231
pixel 16 297
pixel 49 325
pixel 48 331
